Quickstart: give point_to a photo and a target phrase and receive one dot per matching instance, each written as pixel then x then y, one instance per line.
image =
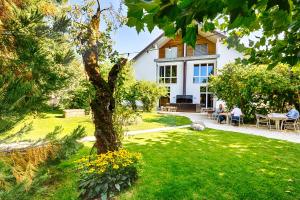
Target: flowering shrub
pixel 107 174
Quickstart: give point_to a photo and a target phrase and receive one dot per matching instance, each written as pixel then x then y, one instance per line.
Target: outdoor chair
pixel 240 120
pixel 288 123
pixel 262 120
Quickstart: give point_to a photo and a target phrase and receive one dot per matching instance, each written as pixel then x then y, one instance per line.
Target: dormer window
pixel 201 49
pixel 171 52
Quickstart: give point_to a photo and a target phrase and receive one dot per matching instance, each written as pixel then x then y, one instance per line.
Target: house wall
pixel 177 42
pixel 194 88
pixel 175 88
pixel 202 40
pixel 226 55
pixel 145 66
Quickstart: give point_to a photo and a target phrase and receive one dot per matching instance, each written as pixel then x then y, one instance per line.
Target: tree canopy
pixel 255 89
pixel 277 20
pixel 35 56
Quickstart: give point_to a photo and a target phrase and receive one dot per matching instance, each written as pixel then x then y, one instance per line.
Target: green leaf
pixel 118 187
pixel 191 35
pixel 148 19
pixel 135 11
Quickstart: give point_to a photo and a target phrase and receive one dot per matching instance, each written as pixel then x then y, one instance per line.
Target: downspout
pixel 184 70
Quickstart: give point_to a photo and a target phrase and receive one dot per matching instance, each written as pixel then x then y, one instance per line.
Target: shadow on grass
pixel 213 164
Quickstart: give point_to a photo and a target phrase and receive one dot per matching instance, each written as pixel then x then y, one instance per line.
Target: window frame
pixel 163 77
pixel 206 93
pixel 198 77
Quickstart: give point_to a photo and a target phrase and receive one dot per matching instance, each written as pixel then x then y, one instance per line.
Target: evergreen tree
pixel 35 56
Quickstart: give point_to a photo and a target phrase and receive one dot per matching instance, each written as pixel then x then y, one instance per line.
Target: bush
pixel 79 97
pixel 255 89
pixel 149 93
pixel 107 174
pixel 18 167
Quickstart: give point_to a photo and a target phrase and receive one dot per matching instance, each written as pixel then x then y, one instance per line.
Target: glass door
pixel 206 97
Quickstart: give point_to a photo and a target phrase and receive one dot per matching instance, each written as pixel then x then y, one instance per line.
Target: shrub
pixel 79 97
pixel 107 174
pixel 23 163
pixel 149 93
pixel 255 89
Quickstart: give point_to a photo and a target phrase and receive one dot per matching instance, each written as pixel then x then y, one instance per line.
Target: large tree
pixel 35 56
pixel 277 20
pixel 95 48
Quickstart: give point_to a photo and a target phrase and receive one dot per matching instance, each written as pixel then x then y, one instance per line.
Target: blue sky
pixel 127 39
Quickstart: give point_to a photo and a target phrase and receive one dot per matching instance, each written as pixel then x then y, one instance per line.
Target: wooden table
pixel 209 113
pixel 277 117
pixel 227 114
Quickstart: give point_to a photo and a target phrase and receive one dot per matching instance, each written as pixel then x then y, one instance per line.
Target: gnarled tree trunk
pixel 103 104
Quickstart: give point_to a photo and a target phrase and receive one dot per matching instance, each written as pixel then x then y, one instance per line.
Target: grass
pixel 46 123
pixel 212 164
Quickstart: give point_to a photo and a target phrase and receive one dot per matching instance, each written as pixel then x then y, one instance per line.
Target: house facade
pixel 184 70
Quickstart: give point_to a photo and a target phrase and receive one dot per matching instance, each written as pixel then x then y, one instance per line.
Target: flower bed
pixel 104 175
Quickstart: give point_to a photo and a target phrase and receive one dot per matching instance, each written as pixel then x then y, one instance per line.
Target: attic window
pixel 201 49
pixel 171 52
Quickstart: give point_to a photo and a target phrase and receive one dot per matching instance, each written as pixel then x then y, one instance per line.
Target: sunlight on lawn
pixel 186 164
pixel 47 122
pixel 183 163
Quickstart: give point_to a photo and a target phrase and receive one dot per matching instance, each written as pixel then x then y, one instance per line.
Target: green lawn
pixel 213 164
pixel 46 123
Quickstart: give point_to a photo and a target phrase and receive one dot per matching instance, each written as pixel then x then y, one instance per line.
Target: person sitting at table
pixel 235 115
pixel 218 111
pixel 293 114
pixel 221 117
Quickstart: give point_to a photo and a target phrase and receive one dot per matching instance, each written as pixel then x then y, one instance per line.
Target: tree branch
pixel 114 72
pixel 104 9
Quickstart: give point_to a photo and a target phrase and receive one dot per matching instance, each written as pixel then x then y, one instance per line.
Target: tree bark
pixel 103 104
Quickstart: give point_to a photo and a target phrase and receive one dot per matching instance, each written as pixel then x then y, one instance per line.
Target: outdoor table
pixel 227 114
pixel 209 113
pixel 277 117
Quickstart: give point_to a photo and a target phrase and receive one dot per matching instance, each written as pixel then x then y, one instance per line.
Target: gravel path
pixel 291 136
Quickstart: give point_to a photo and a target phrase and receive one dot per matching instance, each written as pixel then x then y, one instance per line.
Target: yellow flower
pixel 116 166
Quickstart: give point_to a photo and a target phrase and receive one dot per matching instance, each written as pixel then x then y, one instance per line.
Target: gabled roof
pixel 148 46
pixel 215 33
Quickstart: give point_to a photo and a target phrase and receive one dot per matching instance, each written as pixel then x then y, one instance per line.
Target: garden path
pixel 291 136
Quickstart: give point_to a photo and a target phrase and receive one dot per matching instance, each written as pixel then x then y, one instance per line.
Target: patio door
pixel 206 97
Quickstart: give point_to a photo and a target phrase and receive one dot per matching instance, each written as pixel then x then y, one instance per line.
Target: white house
pixel 184 70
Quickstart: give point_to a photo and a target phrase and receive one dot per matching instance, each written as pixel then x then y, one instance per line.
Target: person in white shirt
pixel 236 114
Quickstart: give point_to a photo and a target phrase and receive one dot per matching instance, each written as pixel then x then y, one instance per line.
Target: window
pixel 201 49
pixel 168 74
pixel 202 72
pixel 206 97
pixel 171 52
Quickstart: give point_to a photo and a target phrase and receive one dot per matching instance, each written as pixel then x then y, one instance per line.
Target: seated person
pixel 218 111
pixel 293 114
pixel 236 114
pixel 219 116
